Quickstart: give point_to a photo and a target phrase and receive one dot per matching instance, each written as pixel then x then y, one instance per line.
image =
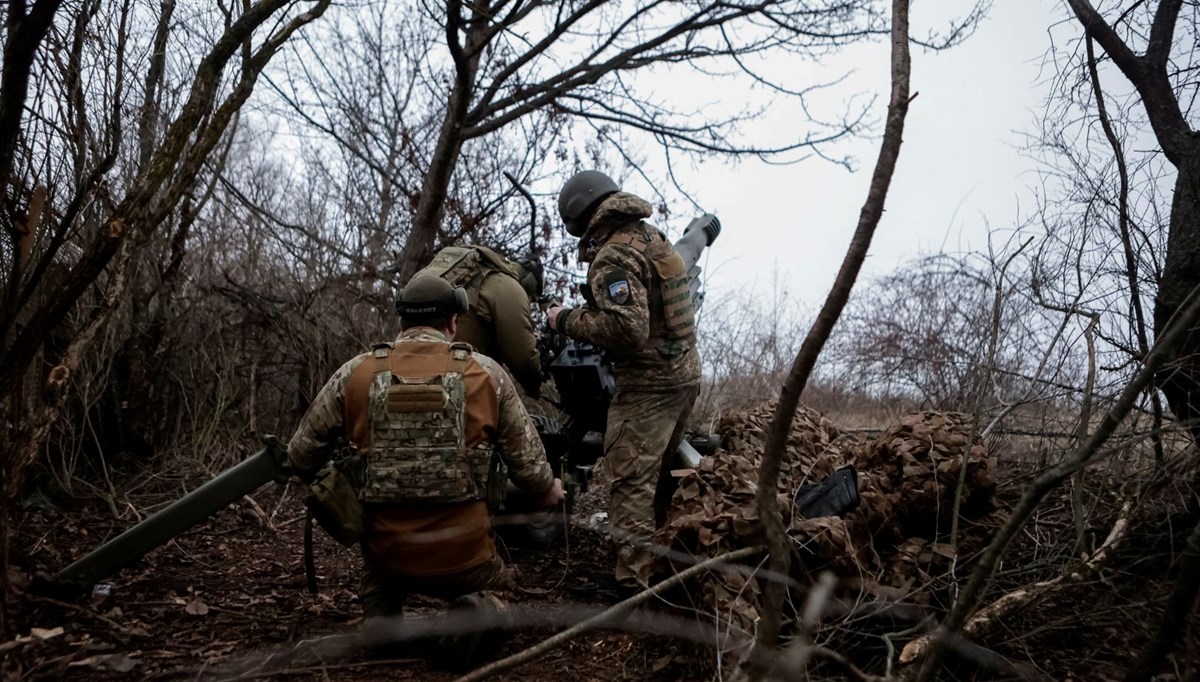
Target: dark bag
pixel 837 495
pixel 333 500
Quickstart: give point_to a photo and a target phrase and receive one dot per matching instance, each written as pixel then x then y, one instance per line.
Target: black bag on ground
pixel 837 495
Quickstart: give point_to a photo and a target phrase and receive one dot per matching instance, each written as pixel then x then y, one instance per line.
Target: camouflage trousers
pixel 644 429
pixel 383 595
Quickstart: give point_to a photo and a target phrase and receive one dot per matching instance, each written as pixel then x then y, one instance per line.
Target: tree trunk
pixel 435 186
pixel 1180 379
pixel 767 500
pixel 431 207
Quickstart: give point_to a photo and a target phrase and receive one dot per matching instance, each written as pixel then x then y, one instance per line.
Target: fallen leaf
pixel 197 607
pixel 40 633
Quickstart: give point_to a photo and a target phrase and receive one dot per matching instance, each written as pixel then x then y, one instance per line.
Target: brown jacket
pixel 438 539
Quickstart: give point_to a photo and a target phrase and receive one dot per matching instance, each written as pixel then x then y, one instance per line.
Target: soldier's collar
pixel 422 334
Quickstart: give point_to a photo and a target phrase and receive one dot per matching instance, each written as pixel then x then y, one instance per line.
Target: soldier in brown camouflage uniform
pixel 499 323
pixel 427 414
pixel 640 312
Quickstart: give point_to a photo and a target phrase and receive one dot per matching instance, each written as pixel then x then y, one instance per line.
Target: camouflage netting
pixel 895 539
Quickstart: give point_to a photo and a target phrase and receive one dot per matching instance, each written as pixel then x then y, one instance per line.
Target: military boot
pixel 478 624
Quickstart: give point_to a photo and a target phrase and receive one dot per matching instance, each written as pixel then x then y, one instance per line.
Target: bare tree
pixel 1162 82
pixel 95 224
pixel 536 66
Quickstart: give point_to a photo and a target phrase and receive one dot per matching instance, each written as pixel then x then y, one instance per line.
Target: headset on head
pixel 456 305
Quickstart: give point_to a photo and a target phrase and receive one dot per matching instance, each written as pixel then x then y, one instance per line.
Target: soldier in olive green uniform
pixel 427 414
pixel 498 323
pixel 640 313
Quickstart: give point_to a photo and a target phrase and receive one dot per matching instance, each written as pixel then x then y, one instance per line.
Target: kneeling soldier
pixel 427 414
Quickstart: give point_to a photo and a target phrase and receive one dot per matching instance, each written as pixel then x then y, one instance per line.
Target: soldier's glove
pixel 279 452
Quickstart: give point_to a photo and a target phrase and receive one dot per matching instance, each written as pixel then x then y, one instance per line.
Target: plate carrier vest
pixel 418 450
pixel 672 316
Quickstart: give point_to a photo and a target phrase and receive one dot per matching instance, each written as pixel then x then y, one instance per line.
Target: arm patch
pixel 616 286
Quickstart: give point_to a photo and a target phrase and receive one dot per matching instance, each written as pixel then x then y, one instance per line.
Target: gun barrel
pixel 177 517
pixel 700 233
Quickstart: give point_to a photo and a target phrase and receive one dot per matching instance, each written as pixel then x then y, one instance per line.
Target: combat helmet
pixel 580 196
pixel 429 296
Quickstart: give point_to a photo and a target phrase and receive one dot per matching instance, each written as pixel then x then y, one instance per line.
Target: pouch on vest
pixel 679 319
pixel 333 500
pixel 461 266
pixel 497 482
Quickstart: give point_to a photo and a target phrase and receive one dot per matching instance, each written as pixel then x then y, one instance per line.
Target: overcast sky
pixel 960 167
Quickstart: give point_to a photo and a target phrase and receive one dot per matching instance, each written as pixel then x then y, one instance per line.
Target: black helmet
pixel 531 275
pixel 427 295
pixel 580 196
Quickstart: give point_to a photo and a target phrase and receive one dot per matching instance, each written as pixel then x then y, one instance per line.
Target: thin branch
pixel 1164 350
pixel 605 617
pixel 810 350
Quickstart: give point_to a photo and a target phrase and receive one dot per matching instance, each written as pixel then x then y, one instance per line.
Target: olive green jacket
pixel 500 325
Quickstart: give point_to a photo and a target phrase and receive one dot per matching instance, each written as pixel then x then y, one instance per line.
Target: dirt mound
pixel 907 481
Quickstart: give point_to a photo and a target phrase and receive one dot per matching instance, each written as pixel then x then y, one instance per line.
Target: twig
pixel 283 497
pixel 607 616
pixel 121 629
pixel 924 626
pixel 313 669
pixel 1131 268
pixel 989 369
pixel 1021 597
pixel 852 671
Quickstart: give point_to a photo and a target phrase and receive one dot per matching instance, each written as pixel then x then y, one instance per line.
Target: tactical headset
pixel 456 304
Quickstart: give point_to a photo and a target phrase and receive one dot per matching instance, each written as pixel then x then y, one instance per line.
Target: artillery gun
pixel 582 376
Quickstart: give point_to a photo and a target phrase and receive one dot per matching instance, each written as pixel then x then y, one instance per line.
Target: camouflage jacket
pixel 621 288
pixel 494 414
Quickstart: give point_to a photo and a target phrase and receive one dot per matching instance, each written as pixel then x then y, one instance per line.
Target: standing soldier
pixel 498 323
pixel 426 413
pixel 639 311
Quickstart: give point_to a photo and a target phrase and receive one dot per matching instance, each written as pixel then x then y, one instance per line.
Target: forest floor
pixel 227 600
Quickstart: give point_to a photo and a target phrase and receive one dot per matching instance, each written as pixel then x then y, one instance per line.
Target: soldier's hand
pixel 555 495
pixel 552 317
